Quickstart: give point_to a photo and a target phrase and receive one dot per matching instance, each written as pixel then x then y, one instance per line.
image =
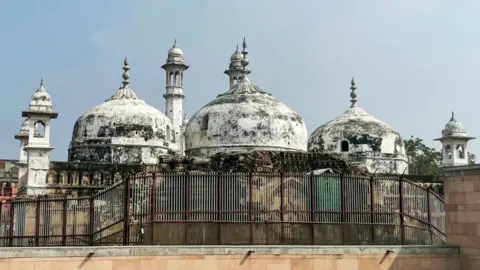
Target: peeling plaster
pixel 373 144
pixel 125 130
pixel 245 119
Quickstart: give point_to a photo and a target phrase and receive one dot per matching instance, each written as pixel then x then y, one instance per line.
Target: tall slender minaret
pixel 236 70
pixel 22 136
pixel 174 69
pixel 38 147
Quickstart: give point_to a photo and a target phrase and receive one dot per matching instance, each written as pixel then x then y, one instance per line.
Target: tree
pixel 425 160
pixel 421 158
pixel 472 158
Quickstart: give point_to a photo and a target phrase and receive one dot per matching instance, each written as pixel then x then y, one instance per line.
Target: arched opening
pixel 204 124
pixel 168 133
pixel 461 151
pixel 448 151
pixel 177 78
pixel 234 80
pixel 171 79
pixel 39 131
pixel 344 147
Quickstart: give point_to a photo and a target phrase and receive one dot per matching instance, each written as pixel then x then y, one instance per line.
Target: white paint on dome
pixel 372 143
pixel 243 119
pixel 124 129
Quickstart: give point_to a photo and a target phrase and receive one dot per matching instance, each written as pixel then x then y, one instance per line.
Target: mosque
pixel 127 130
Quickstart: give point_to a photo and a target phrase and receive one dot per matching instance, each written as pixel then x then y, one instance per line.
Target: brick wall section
pixel 462 204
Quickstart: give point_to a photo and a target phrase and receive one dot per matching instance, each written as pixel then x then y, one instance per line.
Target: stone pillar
pixel 462 205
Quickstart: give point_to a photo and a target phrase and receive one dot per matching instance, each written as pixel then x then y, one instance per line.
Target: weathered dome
pixel 40 100
pixel 454 128
pixel 175 55
pixel 123 129
pixel 363 139
pixel 175 51
pixel 242 119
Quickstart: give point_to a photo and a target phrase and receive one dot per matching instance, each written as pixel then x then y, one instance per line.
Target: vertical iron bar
pixel 219 206
pixel 12 222
pixel 372 208
pixel 313 203
pixel 429 216
pixel 250 195
pixel 64 222
pixel 342 205
pixel 91 217
pixel 37 221
pixel 153 207
pixel 282 207
pixel 402 225
pixel 187 205
pixel 126 205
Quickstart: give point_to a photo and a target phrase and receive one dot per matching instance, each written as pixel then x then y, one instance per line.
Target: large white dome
pixel 244 118
pixel 362 139
pixel 123 129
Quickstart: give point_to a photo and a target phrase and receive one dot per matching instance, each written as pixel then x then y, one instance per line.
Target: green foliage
pixel 425 160
pixel 472 158
pixel 422 159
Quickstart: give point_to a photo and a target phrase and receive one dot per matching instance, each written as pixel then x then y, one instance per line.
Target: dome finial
pixel 125 74
pixel 41 88
pixel 174 43
pixel 236 50
pixel 453 116
pixel 245 60
pixel 353 95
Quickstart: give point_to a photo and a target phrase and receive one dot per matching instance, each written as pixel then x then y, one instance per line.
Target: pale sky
pixel 414 61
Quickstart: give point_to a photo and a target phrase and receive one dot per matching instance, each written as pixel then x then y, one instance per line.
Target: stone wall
pixel 238 257
pixel 462 203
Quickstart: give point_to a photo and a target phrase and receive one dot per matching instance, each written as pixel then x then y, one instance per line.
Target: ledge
pixel 124 251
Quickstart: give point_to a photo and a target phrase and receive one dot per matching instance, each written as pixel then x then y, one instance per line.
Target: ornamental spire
pixel 245 60
pixel 353 95
pixel 453 117
pixel 125 75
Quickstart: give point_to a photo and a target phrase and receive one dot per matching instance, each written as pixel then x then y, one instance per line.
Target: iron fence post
pixel 153 207
pixel 429 216
pixel 187 205
pixel 37 221
pixel 64 222
pixel 402 221
pixel 313 201
pixel 250 208
pixel 126 204
pixel 219 206
pixel 12 223
pixel 91 217
pixel 282 207
pixel 372 208
pixel 342 205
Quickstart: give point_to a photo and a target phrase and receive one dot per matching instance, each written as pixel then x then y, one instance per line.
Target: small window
pixel 204 125
pixel 344 146
pixel 461 151
pixel 448 151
